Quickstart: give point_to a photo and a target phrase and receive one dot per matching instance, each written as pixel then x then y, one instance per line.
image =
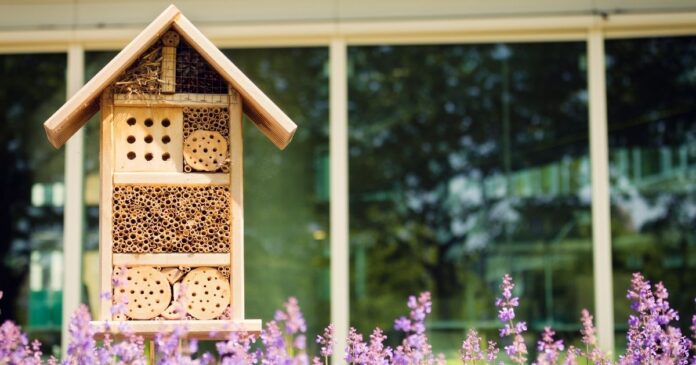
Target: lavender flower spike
pixel 471 348
pixel 517 351
pixel 549 348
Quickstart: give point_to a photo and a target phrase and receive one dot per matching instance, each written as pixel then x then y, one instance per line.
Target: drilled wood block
pixel 208 293
pixel 147 292
pixel 148 139
pixel 205 150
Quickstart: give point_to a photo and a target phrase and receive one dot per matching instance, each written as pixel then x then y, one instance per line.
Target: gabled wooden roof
pixel 73 115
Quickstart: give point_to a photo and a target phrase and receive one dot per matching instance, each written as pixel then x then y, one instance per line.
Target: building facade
pixel 440 145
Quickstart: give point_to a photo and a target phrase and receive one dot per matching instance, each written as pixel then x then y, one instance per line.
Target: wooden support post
pixel 237 209
pixel 105 201
pixel 169 42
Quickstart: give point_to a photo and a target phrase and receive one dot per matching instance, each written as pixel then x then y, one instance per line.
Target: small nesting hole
pixel 130 139
pixel 166 139
pixel 166 123
pixel 148 156
pixel 131 155
pixel 148 122
pixel 131 121
pixel 165 156
pixel 148 139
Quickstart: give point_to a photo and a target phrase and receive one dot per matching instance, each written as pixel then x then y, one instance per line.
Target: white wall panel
pixel 32 14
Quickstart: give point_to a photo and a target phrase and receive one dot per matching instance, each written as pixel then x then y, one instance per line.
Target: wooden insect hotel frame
pixel 171 198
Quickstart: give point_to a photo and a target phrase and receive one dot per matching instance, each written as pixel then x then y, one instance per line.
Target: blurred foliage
pixel 33 86
pixel 437 134
pixel 286 213
pixel 651 85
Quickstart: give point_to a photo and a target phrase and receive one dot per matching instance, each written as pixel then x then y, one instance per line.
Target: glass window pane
pixel 31 194
pixel 468 162
pixel 94 61
pixel 651 85
pixel 286 195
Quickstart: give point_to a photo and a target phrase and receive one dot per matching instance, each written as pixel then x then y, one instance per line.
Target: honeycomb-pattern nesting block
pixel 148 139
pixel 176 218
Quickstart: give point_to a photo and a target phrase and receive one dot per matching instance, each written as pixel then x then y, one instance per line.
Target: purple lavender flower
pixel 356 349
pixel 377 353
pixel 81 349
pixel 415 348
pixel 651 340
pixel 327 341
pixel 589 338
pixel 292 317
pixel 236 350
pixel 471 347
pixel 549 348
pixel 571 356
pixel 292 337
pixel 492 351
pixel 517 350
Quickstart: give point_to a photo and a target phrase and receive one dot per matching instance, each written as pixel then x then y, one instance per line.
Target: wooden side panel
pixel 237 190
pixel 105 202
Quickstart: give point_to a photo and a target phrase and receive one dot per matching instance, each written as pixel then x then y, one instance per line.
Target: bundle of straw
pixel 144 76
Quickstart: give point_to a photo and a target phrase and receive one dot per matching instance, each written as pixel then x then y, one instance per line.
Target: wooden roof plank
pixel 73 115
pixel 272 121
pixel 76 111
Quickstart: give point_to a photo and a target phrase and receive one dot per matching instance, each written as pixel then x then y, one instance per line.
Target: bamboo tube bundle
pixel 171 219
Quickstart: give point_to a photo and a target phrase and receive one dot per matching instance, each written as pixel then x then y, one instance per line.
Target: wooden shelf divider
pixel 171 259
pixel 169 178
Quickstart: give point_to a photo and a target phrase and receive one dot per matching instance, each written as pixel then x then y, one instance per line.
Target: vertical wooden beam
pixel 106 157
pixel 601 217
pixel 237 209
pixel 73 216
pixel 338 148
pixel 169 42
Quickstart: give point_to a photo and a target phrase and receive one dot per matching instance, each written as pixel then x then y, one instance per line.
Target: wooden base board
pixel 207 330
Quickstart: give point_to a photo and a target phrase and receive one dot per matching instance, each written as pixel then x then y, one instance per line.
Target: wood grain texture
pixel 202 329
pixel 105 202
pixel 84 104
pixel 270 119
pixel 237 209
pixel 148 139
pixel 171 259
pixel 171 178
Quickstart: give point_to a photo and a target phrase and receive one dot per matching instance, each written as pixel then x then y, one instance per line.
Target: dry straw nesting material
pixel 145 76
pixel 171 219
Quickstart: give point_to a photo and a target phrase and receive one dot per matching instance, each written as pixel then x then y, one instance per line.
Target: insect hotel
pixel 171 196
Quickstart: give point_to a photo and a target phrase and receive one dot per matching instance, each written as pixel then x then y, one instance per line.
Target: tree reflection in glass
pixel 467 162
pixel 651 84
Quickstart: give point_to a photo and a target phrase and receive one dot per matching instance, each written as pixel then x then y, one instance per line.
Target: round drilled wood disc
pixel 148 292
pixel 205 150
pixel 208 293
